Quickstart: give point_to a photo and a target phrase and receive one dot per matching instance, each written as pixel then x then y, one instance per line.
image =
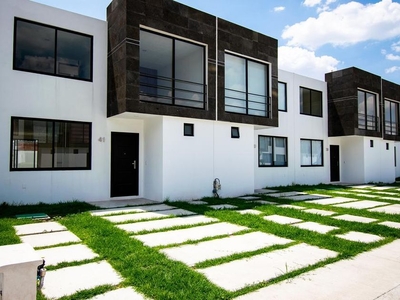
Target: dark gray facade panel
pixel 125 18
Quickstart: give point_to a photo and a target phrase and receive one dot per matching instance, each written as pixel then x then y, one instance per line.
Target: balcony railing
pixel 368 122
pixel 391 128
pixel 172 91
pixel 247 103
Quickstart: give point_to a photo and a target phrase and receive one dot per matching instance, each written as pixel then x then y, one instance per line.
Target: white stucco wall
pixel 295 127
pixel 190 164
pixel 25 94
pixel 360 163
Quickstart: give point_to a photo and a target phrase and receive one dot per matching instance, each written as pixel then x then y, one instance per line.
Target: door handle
pixel 134 164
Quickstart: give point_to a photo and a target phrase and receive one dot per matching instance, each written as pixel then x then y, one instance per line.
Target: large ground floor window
pixel 40 144
pixel 311 153
pixel 272 151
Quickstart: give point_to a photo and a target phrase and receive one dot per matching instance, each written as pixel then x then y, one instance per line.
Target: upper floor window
pixel 272 151
pixel 49 50
pixel 39 144
pixel 282 96
pixel 172 71
pixel 310 102
pixel 246 86
pixel 367 111
pixel 391 117
pixel 311 152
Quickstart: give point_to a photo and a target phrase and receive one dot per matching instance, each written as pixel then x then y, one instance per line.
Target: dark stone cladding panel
pixel 244 41
pixel 343 102
pixel 124 20
pixel 390 90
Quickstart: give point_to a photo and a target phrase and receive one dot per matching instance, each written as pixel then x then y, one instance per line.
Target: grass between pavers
pixel 156 276
pixel 148 270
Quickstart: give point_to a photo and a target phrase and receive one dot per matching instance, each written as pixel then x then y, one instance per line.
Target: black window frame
pixel 272 165
pixel 188 129
pixel 391 131
pixel 285 84
pixel 173 66
pixel 267 86
pixel 311 153
pixel 368 119
pixel 53 168
pixel 235 132
pixel 56 29
pixel 310 102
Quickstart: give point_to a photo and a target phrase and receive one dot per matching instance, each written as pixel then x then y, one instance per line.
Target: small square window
pixel 371 143
pixel 188 129
pixel 235 134
pixel 387 146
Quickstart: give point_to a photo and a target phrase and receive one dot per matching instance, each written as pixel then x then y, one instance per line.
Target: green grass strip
pixel 149 271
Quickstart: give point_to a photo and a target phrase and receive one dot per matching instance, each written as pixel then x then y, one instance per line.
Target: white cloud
pixel 347 24
pixel 392 57
pixel 311 3
pixel 305 62
pixel 392 69
pixel 396 46
pixel 279 8
pixel 383 51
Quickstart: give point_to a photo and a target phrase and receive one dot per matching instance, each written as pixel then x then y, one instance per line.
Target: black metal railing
pixel 172 91
pixel 246 103
pixel 391 128
pixel 368 122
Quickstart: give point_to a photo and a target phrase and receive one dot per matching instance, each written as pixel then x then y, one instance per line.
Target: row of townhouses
pixel 161 99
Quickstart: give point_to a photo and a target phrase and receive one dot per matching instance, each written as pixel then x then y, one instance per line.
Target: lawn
pixel 150 272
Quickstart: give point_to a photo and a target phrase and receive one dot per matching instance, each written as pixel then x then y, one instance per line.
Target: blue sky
pixel 315 36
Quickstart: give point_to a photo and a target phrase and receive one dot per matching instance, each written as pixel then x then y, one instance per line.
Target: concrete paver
pixel 43 227
pixel 166 223
pixel 148 215
pixel 362 186
pixel 391 198
pixel 222 206
pixel 304 197
pixel 352 218
pixel 249 198
pixel 291 206
pixel 320 212
pixel 125 210
pixel 391 224
pixel 313 226
pixel 361 191
pixel 68 281
pixel 361 204
pixel 381 188
pixel 195 253
pixel 390 209
pixel 334 200
pixel 56 255
pixel 387 193
pixel 286 194
pixel 368 196
pixel 188 234
pixel 282 219
pixel 368 276
pixel 238 274
pixel 249 211
pixel 360 237
pixel 263 202
pixel 120 294
pixel 198 202
pixel 49 239
pixel 264 191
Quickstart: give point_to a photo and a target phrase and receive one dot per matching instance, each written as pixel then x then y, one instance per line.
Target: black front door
pixel 124 164
pixel 335 170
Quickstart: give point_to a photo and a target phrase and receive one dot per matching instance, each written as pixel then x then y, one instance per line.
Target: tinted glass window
pixel 48 50
pixel 47 144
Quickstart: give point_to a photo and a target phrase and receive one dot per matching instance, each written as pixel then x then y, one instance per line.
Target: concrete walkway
pixel 371 275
